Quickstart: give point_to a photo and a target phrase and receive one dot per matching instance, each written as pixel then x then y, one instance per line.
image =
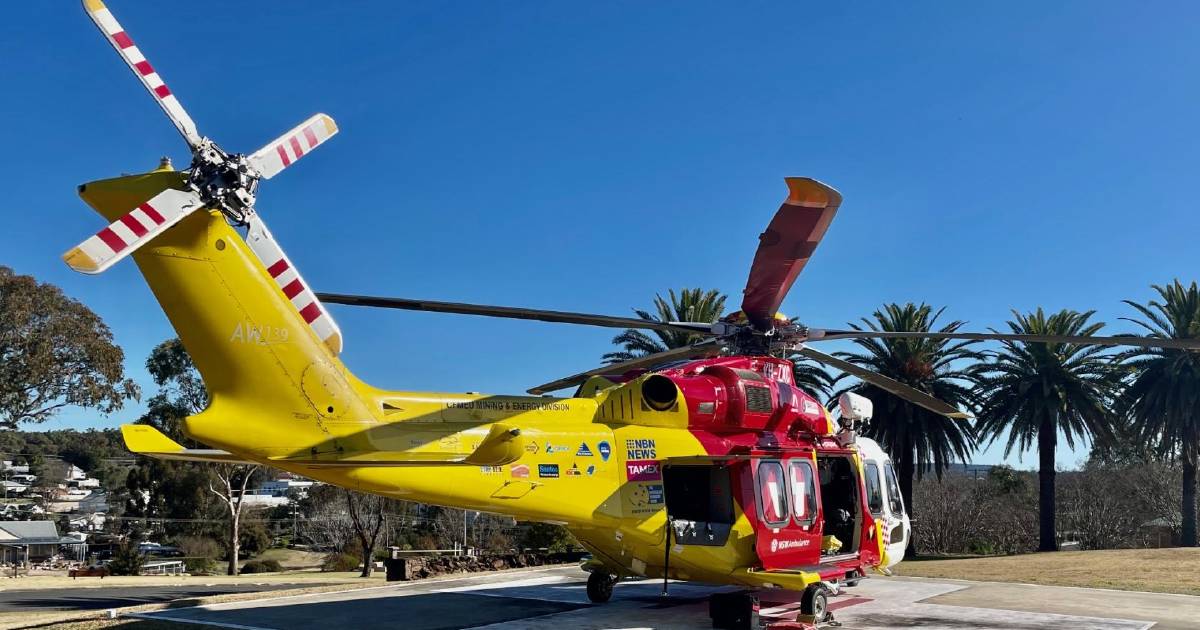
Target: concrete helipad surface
pixel 554 598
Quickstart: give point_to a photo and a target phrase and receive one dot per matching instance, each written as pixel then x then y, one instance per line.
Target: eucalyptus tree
pixel 917 439
pixel 1162 397
pixel 1032 392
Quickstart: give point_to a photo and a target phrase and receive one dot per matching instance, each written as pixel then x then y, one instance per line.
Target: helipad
pixel 555 598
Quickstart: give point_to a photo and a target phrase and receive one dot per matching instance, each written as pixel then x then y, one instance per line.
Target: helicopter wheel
pixel 814 602
pixel 600 587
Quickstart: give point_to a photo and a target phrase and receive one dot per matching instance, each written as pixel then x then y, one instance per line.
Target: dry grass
pixel 85 620
pixel 1156 570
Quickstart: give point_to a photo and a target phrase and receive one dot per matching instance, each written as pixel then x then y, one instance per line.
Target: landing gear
pixel 815 602
pixel 600 587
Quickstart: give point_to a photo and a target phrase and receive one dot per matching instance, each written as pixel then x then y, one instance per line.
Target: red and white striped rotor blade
pixel 294 288
pixel 133 56
pixel 138 227
pixel 283 151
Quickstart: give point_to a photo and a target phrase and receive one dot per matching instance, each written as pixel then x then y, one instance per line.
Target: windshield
pixel 895 501
pixel 874 489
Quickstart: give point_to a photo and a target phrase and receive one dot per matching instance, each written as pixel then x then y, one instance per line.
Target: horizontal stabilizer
pixel 145 440
pixel 503 445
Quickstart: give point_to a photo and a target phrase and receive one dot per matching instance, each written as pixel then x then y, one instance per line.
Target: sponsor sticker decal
pixel 655 494
pixel 520 471
pixel 605 451
pixel 640 449
pixel 491 470
pixel 532 448
pixel 583 451
pixel 549 471
pixel 591 470
pixel 643 470
pixel 574 471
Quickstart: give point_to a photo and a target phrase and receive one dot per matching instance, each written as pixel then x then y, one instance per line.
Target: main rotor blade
pixel 708 347
pixel 911 394
pixel 1118 340
pixel 786 246
pixel 136 228
pixel 116 35
pixel 283 151
pixel 511 312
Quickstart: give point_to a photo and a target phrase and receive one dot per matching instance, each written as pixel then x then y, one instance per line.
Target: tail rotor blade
pixel 116 35
pixel 892 386
pixel 786 246
pixel 133 230
pixel 283 151
pixel 288 279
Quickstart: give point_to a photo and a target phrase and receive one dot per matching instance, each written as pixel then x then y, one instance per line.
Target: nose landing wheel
pixel 600 587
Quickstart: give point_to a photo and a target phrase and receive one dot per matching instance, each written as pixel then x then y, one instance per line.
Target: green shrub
pixel 340 562
pixel 126 560
pixel 262 566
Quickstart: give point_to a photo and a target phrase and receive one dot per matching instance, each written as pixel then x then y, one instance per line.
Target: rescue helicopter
pixel 704 463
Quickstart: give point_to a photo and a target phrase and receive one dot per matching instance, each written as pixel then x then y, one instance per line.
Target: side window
pixel 804 491
pixel 895 500
pixel 874 489
pixel 772 494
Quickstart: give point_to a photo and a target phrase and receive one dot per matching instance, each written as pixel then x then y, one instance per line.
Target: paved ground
pixel 67 599
pixel 554 598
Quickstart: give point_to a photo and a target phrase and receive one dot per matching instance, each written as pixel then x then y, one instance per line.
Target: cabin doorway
pixel 840 495
pixel 699 503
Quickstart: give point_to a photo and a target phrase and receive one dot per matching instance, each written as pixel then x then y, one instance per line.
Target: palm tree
pixel 1032 392
pixel 1163 395
pixel 914 436
pixel 811 377
pixel 690 305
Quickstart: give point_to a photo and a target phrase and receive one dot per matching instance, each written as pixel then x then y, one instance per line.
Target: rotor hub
pixel 224 181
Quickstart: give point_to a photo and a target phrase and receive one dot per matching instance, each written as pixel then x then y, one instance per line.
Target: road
pixel 554 598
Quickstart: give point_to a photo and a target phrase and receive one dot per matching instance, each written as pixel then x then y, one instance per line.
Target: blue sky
pixel 583 156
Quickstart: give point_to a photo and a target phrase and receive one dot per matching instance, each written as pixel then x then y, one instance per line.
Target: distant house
pixel 8 465
pixel 30 540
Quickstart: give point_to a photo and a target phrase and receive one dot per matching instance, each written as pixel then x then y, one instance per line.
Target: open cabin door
pixel 787 505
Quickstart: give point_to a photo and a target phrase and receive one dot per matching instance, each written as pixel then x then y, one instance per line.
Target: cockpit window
pixel 874 489
pixel 895 500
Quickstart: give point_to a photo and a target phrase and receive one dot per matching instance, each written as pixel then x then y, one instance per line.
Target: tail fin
pixel 276 386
